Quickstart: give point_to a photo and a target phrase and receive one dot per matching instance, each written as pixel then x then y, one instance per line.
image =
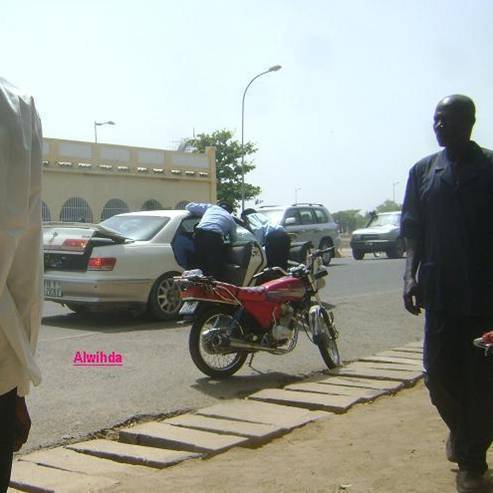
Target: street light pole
pixel 274 68
pixel 296 194
pixel 98 124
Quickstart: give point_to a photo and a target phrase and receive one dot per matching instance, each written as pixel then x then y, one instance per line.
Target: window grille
pixel 113 207
pixel 45 212
pixel 151 205
pixel 76 209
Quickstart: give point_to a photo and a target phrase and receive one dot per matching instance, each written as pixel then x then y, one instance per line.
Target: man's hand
pixel 412 296
pixel 22 424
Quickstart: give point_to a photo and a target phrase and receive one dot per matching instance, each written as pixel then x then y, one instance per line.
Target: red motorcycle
pixel 231 322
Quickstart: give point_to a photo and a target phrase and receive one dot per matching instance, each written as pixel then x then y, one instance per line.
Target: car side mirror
pixel 290 221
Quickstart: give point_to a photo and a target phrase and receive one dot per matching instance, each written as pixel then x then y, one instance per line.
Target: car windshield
pixel 139 228
pixel 385 220
pixel 273 215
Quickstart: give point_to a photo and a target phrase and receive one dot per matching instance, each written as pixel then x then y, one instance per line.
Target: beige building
pixel 84 181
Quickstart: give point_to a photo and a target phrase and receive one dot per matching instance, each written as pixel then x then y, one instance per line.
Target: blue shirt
pixel 261 226
pixel 214 218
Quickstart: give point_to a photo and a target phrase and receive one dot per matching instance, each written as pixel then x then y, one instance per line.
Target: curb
pixel 141 449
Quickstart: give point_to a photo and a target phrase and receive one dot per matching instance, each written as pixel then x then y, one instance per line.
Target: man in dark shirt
pixel 448 225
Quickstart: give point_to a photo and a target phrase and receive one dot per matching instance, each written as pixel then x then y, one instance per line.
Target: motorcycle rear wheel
pixel 215 364
pixel 327 343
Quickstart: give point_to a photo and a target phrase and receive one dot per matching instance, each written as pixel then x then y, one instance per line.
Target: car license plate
pixel 189 307
pixel 53 289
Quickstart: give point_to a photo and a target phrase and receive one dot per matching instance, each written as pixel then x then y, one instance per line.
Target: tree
pixel 388 206
pixel 228 164
pixel 349 220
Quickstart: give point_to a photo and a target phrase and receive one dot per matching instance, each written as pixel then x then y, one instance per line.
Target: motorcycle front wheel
pixel 207 329
pixel 327 342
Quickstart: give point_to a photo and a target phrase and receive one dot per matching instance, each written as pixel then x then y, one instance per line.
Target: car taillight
pixel 101 263
pixel 74 245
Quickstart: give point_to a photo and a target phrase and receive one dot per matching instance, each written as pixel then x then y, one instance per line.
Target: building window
pixel 113 207
pixel 151 205
pixel 76 209
pixel 182 204
pixel 45 212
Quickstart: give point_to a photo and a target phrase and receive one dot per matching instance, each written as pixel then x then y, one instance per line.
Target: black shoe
pixel 450 449
pixel 472 482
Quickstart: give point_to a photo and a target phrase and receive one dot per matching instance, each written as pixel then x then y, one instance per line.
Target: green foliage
pixel 388 206
pixel 228 164
pixel 349 220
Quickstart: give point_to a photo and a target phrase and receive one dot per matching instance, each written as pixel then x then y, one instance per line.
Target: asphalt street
pixel 157 376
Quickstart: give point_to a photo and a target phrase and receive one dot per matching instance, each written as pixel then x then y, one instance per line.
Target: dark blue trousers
pixel 459 378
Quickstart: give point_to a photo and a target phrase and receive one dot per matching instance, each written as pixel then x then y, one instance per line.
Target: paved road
pixel 158 377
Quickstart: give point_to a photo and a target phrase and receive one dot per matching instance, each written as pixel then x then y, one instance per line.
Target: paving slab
pixel 132 454
pixel 258 432
pixel 389 385
pixel 69 460
pixel 327 388
pixel 159 434
pixel 262 412
pixel 414 363
pixel 27 476
pixel 407 349
pixel 307 400
pixel 401 354
pixel 373 373
pixel 383 366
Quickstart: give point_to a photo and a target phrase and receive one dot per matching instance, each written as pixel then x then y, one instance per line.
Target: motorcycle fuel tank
pixel 285 289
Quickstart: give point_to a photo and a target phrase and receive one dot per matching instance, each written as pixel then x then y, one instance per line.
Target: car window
pixel 386 220
pixel 291 214
pixel 273 215
pixel 243 235
pixel 320 216
pixel 306 216
pixel 188 224
pixel 139 228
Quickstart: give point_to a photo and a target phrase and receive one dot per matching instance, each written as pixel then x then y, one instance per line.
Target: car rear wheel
pixel 164 300
pixel 358 254
pixel 327 257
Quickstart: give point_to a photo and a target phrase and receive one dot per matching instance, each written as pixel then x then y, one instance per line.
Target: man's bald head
pixel 453 120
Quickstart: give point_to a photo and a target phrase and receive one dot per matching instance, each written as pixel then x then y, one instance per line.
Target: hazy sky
pixel 345 118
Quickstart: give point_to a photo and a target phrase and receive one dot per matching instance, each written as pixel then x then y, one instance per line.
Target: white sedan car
pixel 130 260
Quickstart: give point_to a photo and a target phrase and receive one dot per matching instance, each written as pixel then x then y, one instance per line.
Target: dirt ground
pixel 394 445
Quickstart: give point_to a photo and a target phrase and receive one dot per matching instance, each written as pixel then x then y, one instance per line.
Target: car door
pixel 244 258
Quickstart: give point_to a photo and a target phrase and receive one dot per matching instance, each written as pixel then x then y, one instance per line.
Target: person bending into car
pixel 273 237
pixel 446 220
pixel 215 225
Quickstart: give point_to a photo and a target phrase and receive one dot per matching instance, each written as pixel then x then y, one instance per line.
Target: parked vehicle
pixel 230 322
pixel 307 222
pixel 381 234
pixel 130 260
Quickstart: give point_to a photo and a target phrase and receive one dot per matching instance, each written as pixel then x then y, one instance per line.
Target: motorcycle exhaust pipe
pixel 250 346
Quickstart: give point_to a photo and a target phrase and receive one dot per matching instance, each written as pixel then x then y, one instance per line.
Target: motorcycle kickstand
pixel 251 360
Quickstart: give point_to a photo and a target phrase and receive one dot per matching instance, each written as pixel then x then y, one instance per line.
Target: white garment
pixel 20 239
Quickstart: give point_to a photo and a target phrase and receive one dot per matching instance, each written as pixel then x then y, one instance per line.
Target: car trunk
pixel 68 246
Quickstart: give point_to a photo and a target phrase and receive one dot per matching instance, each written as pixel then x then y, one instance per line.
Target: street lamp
pixel 98 124
pixel 394 184
pixel 274 68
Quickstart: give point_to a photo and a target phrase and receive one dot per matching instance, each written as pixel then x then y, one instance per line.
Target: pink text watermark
pixel 99 358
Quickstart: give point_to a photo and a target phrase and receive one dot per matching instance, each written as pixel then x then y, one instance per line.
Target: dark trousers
pixel 7 426
pixel 210 252
pixel 460 380
pixel 277 249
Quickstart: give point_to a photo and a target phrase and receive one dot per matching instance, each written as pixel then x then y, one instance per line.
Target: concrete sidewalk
pixel 393 445
pixel 368 427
